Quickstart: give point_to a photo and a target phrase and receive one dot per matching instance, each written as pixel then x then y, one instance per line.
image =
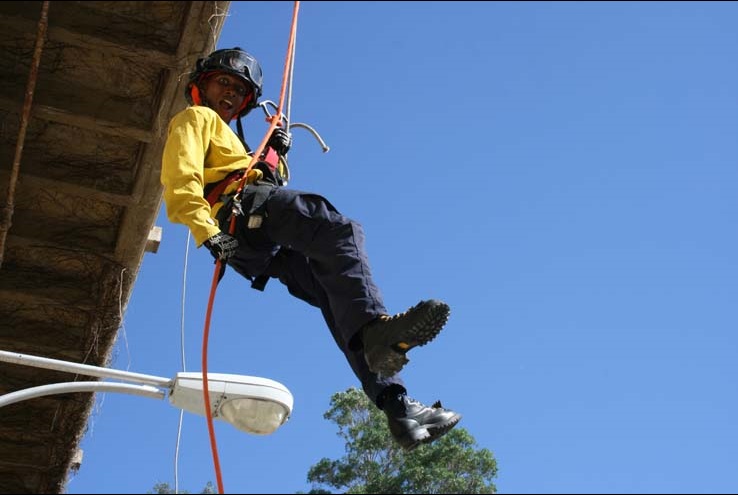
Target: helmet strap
pixel 245 103
pixel 239 128
pixel 195 94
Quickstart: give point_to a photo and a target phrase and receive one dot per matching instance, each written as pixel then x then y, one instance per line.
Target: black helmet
pixel 234 61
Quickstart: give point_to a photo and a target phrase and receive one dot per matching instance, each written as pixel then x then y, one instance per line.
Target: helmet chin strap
pixel 195 94
pixel 239 128
pixel 246 101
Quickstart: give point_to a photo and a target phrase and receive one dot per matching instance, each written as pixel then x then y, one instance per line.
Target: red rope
pixel 275 120
pixel 206 391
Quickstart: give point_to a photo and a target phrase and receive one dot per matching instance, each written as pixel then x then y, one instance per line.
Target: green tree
pixel 164 488
pixel 375 464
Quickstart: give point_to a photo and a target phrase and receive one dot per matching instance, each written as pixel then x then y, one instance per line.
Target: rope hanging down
pixel 274 121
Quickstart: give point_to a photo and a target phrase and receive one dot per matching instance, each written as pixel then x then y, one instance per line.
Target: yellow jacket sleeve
pixel 182 172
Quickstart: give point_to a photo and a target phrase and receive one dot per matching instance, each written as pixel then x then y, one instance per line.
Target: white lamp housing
pixel 251 404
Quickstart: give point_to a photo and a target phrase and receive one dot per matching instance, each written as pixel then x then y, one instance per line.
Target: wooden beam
pixel 15 240
pixel 60 116
pixel 57 34
pixel 35 183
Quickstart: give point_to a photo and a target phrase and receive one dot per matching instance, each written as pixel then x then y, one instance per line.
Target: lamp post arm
pixel 83 369
pixel 69 387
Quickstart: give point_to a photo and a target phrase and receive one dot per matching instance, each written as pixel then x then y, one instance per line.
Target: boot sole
pixel 426 435
pixel 389 358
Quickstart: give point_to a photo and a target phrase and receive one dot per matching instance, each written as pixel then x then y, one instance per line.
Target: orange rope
pixel 275 120
pixel 206 391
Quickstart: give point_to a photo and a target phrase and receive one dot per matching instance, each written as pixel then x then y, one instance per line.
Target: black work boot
pixel 387 338
pixel 411 423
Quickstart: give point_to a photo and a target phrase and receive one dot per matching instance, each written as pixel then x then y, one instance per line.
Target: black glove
pixel 280 141
pixel 221 246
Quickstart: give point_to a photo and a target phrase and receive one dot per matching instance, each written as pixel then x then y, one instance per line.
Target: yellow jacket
pixel 200 149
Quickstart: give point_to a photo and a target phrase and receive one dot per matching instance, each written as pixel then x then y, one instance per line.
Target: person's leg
pixel 295 271
pixel 410 422
pixel 309 224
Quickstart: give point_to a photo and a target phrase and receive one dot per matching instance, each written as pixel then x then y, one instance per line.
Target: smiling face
pixel 225 94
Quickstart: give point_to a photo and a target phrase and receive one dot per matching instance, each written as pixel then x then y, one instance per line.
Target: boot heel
pixel 413 438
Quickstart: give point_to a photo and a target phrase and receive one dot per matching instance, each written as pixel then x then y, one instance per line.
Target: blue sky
pixel 563 174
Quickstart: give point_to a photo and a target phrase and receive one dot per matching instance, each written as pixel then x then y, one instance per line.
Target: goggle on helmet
pixel 233 61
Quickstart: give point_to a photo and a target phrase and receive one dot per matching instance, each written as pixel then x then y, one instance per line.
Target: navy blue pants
pixel 318 254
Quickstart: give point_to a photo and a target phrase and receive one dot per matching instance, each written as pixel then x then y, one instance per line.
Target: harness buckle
pixel 254 221
pixel 236 208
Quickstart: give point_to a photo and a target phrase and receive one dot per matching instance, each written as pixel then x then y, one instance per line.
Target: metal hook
pixel 269 103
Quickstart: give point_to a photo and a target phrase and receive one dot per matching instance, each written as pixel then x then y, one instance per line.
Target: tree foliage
pixel 374 463
pixel 164 488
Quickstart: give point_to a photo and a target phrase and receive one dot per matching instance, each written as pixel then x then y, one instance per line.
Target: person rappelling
pixel 266 230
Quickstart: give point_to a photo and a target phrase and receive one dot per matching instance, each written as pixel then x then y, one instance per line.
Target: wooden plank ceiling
pixel 87 195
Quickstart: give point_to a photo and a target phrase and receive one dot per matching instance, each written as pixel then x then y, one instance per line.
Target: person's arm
pixel 182 173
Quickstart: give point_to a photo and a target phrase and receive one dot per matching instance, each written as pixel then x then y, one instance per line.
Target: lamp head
pixel 251 404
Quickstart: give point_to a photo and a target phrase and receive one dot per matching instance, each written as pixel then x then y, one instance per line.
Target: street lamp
pixel 251 404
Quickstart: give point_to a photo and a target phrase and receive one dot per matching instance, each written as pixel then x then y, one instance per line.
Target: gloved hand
pixel 222 246
pixel 280 141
